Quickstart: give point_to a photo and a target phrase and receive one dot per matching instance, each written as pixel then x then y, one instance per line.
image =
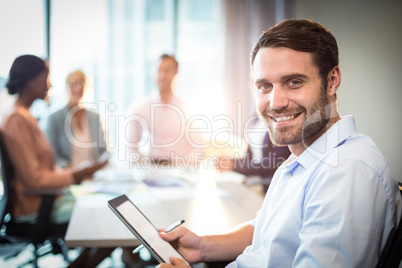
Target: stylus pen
pixel 174 226
pixel 167 230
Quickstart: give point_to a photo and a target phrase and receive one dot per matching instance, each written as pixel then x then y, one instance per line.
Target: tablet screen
pixel 143 229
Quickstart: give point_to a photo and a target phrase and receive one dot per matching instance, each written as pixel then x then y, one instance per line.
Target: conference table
pixel 208 201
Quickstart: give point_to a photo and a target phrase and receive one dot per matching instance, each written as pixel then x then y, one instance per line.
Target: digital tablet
pixel 143 229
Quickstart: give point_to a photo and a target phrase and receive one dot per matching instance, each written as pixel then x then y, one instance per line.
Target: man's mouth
pixel 284 117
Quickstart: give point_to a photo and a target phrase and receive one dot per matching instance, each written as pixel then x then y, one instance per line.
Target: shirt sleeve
pixel 337 217
pixel 32 156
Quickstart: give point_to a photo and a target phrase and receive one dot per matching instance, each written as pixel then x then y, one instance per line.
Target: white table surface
pixel 209 204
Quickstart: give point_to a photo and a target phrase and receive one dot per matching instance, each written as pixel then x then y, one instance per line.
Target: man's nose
pixel 279 98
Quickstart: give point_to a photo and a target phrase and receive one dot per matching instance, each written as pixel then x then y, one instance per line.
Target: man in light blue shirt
pixel 334 201
pixel 330 207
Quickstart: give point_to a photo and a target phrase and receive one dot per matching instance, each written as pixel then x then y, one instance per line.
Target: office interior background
pixel 117 43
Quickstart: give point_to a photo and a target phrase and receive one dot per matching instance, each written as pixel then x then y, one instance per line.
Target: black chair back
pixel 391 255
pixel 23 233
pixel 6 174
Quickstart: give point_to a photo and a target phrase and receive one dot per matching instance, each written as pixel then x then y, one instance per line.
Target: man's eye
pixel 264 88
pixel 295 83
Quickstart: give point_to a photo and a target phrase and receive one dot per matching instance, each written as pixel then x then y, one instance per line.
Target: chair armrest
pixel 44 221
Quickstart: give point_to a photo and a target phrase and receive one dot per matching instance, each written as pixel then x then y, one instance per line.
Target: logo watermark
pixel 192 138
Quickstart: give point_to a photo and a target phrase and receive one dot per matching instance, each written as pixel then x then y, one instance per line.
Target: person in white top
pixel 157 126
pixel 157 130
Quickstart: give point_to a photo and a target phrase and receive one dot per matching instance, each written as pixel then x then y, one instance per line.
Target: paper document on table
pixel 114 174
pixel 107 188
pixel 164 182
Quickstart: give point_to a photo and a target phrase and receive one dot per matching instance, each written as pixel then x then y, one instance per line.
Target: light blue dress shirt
pixel 333 206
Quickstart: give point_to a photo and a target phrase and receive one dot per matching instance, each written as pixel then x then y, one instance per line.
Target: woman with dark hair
pixel 28 148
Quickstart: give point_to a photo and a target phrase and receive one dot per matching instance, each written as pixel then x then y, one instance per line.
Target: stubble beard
pixel 315 121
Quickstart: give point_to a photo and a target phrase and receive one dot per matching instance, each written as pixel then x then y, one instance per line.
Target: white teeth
pixel 284 118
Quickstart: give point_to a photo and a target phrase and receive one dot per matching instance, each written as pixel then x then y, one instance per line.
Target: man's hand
pixel 186 243
pixel 86 169
pixel 175 262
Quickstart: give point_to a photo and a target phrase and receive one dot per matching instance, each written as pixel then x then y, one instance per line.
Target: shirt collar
pixel 333 137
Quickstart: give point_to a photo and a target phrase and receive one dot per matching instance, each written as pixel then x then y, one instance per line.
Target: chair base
pixel 11 249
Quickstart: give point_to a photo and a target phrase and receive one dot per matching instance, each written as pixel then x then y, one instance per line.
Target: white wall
pixel 22 31
pixel 369 35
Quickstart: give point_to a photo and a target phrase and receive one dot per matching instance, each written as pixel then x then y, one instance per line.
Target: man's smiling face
pixel 291 98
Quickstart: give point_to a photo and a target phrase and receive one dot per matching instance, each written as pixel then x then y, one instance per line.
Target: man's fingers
pixel 171 236
pixel 177 261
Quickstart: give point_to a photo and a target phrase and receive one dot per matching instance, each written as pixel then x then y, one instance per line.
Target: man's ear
pixel 334 80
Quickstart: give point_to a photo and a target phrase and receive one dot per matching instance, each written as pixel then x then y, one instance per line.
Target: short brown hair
pixel 304 36
pixel 170 57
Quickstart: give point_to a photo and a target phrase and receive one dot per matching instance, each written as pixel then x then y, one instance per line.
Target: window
pixel 19 36
pixel 118 42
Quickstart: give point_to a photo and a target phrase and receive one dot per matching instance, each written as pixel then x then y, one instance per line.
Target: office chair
pixel 22 234
pixel 391 255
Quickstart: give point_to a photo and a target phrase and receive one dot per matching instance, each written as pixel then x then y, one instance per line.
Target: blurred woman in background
pixel 76 133
pixel 30 152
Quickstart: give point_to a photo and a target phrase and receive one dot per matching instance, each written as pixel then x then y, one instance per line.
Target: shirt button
pixel 289 175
